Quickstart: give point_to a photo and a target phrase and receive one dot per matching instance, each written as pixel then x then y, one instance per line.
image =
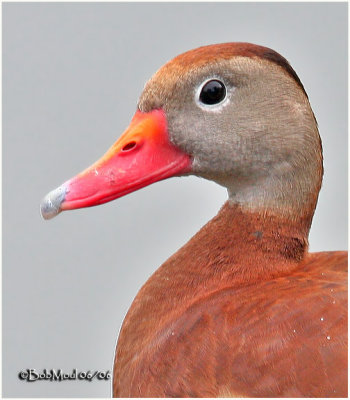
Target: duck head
pixel 234 113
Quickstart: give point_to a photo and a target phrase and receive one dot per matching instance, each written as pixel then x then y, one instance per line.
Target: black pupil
pixel 212 92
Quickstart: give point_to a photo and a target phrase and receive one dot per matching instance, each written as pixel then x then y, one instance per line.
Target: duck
pixel 242 309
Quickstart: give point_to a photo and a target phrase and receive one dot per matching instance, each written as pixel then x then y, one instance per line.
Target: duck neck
pixel 234 249
pixel 287 190
pixel 286 196
pixel 240 246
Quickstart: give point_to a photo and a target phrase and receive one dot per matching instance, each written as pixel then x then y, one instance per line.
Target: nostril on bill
pixel 129 146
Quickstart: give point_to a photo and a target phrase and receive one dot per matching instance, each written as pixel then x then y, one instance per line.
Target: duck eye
pixel 213 92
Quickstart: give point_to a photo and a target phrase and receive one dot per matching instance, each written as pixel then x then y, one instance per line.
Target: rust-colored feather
pixel 242 310
pixel 207 54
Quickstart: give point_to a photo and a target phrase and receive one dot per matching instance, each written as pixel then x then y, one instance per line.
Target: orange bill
pixel 141 156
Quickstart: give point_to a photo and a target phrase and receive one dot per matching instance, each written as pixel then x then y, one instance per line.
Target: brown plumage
pixel 207 54
pixel 242 310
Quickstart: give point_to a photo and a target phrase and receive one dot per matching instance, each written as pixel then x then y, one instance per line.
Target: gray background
pixel 72 74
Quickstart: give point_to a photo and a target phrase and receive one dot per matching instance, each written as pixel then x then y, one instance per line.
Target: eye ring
pixel 212 92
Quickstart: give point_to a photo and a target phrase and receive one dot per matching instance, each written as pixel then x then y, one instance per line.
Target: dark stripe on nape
pixel 276 58
pixel 229 50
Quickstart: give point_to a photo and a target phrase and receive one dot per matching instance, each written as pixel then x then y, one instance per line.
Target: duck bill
pixel 141 156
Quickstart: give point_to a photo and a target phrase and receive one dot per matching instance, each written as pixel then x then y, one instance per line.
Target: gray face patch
pixel 261 142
